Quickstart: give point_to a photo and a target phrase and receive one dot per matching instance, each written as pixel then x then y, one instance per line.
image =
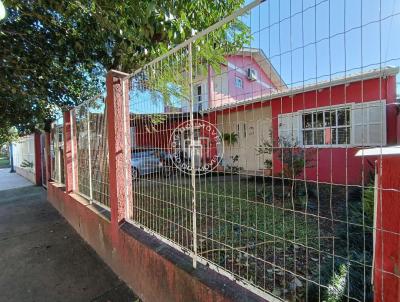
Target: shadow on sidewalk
pixel 43 259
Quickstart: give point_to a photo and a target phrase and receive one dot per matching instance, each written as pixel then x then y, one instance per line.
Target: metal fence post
pixel 90 158
pixel 192 165
pixel 58 155
pixel 71 116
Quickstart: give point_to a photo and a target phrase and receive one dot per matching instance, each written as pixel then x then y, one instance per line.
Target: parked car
pixel 151 161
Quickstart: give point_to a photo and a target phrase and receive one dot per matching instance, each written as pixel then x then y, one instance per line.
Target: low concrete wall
pixel 26 174
pixel 154 270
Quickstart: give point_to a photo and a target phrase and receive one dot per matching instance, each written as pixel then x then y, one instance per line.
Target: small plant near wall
pixel 293 157
pixel 294 160
pixel 234 168
pixel 266 148
pixel 27 164
pixel 230 138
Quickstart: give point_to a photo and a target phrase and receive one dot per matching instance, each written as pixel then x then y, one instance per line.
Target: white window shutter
pixel 288 125
pixel 359 133
pixel 369 124
pixel 377 123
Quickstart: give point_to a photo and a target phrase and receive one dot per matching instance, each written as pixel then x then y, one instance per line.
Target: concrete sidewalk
pixel 12 180
pixel 43 259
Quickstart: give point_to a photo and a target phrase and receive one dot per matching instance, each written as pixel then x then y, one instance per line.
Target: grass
pixel 4 162
pixel 252 228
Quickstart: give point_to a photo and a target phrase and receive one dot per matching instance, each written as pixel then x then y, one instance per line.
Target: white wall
pixel 24 156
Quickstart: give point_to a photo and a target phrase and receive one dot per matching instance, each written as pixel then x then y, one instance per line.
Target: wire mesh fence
pixel 162 198
pixel 57 152
pixel 244 140
pixel 91 171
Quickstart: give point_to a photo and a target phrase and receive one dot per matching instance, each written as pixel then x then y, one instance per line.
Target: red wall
pixel 153 270
pixel 339 165
pixel 387 240
pixel 159 136
pixel 332 165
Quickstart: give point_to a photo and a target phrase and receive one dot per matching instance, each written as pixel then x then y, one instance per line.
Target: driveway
pixel 42 258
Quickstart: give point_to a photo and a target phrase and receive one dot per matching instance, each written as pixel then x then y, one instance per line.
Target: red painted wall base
pixel 155 271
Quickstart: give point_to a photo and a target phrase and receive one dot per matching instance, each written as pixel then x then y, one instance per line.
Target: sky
pixel 309 40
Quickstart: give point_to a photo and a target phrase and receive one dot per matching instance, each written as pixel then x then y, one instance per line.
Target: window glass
pixel 320 119
pixel 307 121
pixel 319 137
pixel 327 119
pixel 308 137
pixel 343 117
pixel 238 82
pixel 198 93
pixel 343 136
pixel 327 127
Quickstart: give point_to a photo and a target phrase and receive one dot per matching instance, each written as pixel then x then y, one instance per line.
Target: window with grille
pixel 355 124
pixel 326 127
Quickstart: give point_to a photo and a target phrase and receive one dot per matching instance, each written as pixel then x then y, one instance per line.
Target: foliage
pixel 4 162
pixel 55 53
pixel 27 164
pixel 337 287
pixel 294 158
pixel 266 147
pixel 6 133
pixel 168 81
pixel 355 243
pixel 234 168
pixel 230 138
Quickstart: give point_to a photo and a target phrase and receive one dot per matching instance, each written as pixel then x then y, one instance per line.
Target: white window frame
pixel 200 100
pixel 298 124
pixel 255 73
pixel 198 97
pixel 239 80
pixel 347 106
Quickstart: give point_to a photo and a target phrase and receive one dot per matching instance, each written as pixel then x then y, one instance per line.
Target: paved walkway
pixel 12 180
pixel 43 259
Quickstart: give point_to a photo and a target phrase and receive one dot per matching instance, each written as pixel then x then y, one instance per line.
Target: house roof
pixel 162 115
pixel 384 151
pixel 265 64
pixel 347 79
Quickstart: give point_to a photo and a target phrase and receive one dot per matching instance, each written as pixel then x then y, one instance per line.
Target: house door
pixel 184 145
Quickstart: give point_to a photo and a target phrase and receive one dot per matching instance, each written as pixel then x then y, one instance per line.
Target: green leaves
pixel 56 53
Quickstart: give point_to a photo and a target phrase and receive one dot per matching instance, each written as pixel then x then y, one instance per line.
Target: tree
pixel 54 54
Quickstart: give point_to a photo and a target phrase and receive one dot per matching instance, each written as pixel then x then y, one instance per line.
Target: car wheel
pixel 135 174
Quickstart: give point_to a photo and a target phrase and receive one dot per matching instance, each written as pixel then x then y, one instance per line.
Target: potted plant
pixel 230 138
pixel 266 148
pixel 267 171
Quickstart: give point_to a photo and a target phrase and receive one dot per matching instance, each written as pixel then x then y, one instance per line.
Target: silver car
pixel 149 161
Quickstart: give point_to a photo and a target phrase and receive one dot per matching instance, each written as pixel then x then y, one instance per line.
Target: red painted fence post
pixel 47 142
pixel 68 159
pixel 386 275
pixel 38 159
pixel 118 125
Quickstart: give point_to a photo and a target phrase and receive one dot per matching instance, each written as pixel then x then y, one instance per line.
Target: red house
pixel 330 120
